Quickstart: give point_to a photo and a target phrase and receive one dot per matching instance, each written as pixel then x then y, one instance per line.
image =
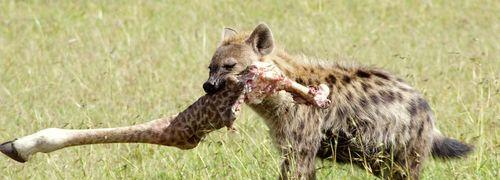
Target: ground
pixel 91 64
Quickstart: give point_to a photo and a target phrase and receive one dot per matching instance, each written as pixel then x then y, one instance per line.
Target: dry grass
pixel 93 64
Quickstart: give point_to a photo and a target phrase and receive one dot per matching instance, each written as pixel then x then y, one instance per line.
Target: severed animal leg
pixel 184 130
pixel 263 79
pixel 52 139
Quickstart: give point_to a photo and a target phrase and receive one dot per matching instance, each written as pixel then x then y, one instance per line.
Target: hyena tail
pixel 446 148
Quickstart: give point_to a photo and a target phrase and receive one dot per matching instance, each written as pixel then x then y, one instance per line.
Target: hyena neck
pixel 307 70
pixel 292 66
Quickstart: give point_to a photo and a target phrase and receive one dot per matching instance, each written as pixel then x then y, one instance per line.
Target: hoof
pixel 8 149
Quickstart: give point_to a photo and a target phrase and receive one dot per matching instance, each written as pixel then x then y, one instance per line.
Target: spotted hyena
pixel 376 121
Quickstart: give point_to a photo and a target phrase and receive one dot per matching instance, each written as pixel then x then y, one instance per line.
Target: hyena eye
pixel 212 68
pixel 229 66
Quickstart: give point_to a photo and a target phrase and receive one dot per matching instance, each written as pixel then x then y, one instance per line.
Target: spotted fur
pixel 377 121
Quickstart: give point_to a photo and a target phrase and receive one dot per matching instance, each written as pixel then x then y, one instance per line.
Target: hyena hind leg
pixel 409 166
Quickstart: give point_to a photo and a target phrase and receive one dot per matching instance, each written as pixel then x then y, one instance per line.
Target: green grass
pixel 89 64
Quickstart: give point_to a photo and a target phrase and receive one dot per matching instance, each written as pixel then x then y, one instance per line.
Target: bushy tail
pixel 446 148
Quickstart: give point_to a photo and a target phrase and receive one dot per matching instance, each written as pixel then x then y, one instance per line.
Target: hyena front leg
pixel 285 168
pixel 300 154
pixel 299 162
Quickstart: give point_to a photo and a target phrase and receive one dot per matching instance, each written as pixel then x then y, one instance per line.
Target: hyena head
pixel 235 52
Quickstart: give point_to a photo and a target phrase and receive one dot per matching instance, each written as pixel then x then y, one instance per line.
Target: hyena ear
pixel 261 39
pixel 227 33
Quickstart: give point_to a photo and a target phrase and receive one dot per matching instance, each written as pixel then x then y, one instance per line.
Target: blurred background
pixel 89 64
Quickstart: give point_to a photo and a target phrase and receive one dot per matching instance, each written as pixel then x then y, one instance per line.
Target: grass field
pixel 88 64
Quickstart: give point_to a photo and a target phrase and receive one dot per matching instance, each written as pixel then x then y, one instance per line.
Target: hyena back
pixel 377 121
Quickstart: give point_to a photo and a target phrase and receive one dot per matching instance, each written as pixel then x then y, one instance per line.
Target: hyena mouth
pixel 211 88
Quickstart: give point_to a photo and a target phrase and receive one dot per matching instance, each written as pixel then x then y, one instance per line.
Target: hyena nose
pixel 209 88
